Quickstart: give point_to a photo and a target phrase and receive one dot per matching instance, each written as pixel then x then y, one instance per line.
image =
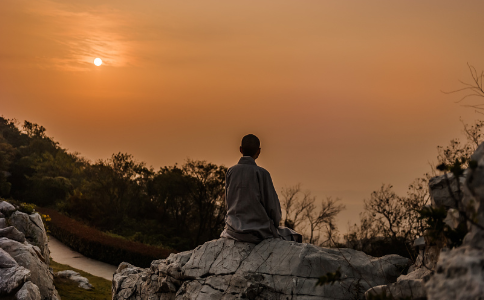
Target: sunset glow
pixel 344 95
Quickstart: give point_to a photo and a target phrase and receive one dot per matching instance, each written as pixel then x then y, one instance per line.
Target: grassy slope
pixel 68 290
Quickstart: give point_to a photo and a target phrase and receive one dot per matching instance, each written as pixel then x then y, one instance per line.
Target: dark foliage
pixel 176 207
pixel 330 278
pixel 98 245
pixel 390 222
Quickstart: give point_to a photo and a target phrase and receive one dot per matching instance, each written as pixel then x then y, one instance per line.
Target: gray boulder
pixel 273 269
pixel 421 273
pixel 13 234
pixel 459 275
pixel 33 228
pixel 30 258
pixel 29 291
pixel 3 223
pixel 6 208
pixel 426 259
pixel 410 286
pixel 405 289
pixel 12 278
pixel 6 261
pixel 439 190
pixel 474 201
pixel 12 275
pixel 81 281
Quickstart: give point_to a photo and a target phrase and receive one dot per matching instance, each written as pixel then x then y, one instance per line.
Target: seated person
pixel 253 208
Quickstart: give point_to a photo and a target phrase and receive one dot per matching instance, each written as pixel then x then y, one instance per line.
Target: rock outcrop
pixel 6 209
pixel 81 281
pixel 29 291
pixel 440 273
pixel 33 229
pixel 12 276
pixel 409 286
pixel 273 269
pixel 276 269
pixel 439 190
pixel 24 256
pixel 459 273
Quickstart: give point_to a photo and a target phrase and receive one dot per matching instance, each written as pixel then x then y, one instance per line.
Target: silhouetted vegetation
pixel 178 207
pixel 315 222
pixel 390 223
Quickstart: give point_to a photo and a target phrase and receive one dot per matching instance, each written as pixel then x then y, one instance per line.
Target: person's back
pixel 253 208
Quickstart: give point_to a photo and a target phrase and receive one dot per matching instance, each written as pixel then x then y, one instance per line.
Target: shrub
pixel 99 245
pixel 27 208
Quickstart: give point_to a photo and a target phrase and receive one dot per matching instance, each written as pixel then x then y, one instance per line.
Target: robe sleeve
pixel 269 198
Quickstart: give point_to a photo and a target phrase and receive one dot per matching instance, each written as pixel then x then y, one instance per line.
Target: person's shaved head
pixel 250 145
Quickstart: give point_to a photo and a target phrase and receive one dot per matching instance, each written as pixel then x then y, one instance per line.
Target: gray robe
pixel 253 208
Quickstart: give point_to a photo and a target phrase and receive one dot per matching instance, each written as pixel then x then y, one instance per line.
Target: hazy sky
pixel 344 95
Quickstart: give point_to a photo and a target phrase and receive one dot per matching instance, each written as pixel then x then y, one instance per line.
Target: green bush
pixel 27 208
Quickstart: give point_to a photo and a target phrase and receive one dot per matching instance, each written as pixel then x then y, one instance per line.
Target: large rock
pixel 426 259
pixel 440 195
pixel 12 275
pixel 409 286
pixel 29 291
pixel 6 208
pixel 3 223
pixel 34 230
pixel 6 261
pixel 12 278
pixel 81 281
pixel 30 258
pixel 459 275
pixel 24 256
pixel 273 269
pixel 474 201
pixel 13 234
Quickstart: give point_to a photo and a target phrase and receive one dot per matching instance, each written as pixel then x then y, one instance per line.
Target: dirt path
pixel 65 255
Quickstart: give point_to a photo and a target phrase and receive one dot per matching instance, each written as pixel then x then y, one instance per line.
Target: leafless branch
pixel 476 88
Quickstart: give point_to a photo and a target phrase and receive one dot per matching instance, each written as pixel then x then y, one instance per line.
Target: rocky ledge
pixel 24 256
pixel 273 269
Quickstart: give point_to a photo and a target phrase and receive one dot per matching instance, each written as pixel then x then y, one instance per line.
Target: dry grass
pixel 68 290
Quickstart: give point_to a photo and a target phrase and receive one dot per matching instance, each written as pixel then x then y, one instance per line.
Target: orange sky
pixel 345 95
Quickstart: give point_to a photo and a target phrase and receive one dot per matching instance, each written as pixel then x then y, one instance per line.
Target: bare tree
pixel 474 89
pixel 390 222
pixel 473 134
pixel 329 210
pixel 359 236
pixel 418 196
pixel 294 206
pixel 303 215
pixel 387 209
pixel 323 218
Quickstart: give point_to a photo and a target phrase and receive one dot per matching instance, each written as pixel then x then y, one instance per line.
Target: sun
pixel 98 62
